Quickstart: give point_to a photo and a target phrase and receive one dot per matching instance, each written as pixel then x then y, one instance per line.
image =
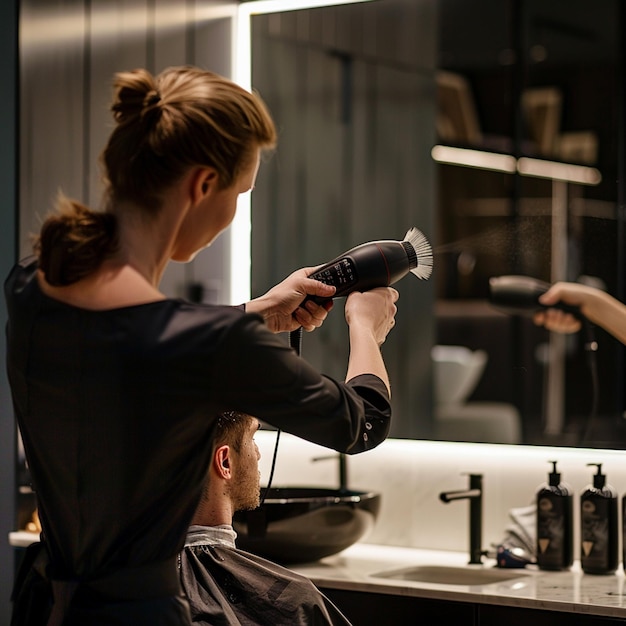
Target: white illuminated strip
pixel 474 158
pixel 278 6
pixel 538 168
pixel 241 227
pixel 526 166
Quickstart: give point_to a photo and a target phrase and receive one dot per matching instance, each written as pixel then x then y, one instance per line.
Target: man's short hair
pixel 231 428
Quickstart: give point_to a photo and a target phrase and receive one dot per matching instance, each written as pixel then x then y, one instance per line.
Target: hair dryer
pixel 377 264
pixel 370 265
pixel 519 295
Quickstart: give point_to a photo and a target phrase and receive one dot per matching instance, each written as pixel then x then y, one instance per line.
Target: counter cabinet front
pixel 367 608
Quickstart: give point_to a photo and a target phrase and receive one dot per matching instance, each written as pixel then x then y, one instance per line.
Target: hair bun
pixel 135 94
pixel 153 97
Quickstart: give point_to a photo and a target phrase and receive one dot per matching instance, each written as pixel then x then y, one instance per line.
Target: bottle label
pixel 553 533
pixel 596 534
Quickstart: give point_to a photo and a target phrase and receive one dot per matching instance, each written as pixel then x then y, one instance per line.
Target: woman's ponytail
pixel 74 241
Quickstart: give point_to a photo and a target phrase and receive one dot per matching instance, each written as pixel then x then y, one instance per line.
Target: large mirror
pixel 497 128
pixel 369 99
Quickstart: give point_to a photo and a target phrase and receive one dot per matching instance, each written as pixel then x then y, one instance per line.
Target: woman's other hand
pixel 370 316
pixel 374 310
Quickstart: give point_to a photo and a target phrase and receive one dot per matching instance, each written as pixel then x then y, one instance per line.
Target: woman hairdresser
pixel 112 382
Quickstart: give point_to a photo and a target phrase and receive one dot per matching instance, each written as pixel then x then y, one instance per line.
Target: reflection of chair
pixel 542 109
pixel 457 121
pixel 457 371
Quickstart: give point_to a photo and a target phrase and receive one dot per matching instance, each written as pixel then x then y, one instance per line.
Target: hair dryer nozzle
pixel 419 252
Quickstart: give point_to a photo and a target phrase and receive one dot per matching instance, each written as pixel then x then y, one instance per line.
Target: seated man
pixel 224 585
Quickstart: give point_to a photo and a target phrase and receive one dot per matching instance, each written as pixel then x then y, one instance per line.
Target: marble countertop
pixel 571 591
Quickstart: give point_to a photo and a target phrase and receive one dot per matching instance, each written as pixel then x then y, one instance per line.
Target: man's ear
pixel 204 181
pixel 221 462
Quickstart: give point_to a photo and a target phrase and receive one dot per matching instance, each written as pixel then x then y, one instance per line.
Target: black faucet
pixel 475 495
pixel 343 469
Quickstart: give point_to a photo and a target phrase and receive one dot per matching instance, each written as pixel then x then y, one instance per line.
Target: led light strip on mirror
pixel 526 166
pixel 241 227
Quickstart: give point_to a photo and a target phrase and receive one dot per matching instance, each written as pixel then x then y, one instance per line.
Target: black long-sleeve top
pixel 116 410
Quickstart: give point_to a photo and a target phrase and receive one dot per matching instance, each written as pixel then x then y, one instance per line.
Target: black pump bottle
pixel 555 514
pixel 599 532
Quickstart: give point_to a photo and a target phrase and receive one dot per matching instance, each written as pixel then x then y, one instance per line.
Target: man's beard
pixel 246 495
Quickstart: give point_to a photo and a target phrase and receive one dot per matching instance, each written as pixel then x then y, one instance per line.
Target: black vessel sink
pixel 302 524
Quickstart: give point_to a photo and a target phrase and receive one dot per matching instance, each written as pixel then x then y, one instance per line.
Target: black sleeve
pixel 262 376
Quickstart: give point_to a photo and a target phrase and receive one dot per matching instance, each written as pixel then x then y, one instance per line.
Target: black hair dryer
pixel 374 264
pixel 377 264
pixel 519 295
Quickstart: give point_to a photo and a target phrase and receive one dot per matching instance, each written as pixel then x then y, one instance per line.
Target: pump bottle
pixel 555 514
pixel 598 518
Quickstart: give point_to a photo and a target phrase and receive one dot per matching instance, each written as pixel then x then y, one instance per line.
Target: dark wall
pixel 8 250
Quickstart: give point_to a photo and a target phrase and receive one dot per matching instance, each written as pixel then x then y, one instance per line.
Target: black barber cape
pixel 229 587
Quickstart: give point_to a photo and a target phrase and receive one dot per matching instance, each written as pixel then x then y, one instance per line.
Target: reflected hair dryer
pixel 377 264
pixel 519 295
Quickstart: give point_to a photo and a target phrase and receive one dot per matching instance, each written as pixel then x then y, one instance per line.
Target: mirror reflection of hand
pixel 555 320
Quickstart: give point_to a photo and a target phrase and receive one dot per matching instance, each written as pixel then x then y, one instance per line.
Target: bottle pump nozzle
pixel 555 477
pixel 599 479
